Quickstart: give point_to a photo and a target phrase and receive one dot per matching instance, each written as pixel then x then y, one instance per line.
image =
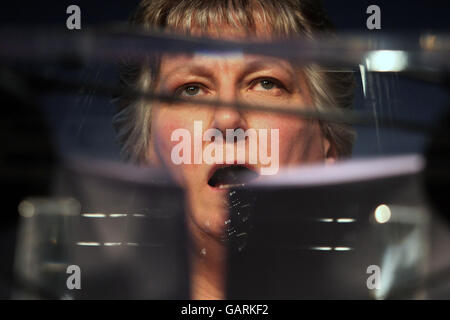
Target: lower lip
pixel 226 188
pixel 218 189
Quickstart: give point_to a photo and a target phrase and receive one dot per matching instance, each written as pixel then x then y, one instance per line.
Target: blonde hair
pixel 283 18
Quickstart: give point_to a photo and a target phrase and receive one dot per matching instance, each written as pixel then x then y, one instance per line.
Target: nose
pixel 228 117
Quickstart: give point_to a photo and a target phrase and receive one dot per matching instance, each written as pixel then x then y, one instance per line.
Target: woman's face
pixel 245 78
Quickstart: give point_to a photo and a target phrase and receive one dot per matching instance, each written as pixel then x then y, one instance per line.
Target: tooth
pixel 226 186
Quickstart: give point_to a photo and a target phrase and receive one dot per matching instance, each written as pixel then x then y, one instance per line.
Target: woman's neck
pixel 208 271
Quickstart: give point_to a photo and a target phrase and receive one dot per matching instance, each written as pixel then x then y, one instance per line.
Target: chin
pixel 212 220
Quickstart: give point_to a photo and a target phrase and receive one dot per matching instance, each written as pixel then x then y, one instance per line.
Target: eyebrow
pixel 197 69
pixel 260 64
pixel 251 67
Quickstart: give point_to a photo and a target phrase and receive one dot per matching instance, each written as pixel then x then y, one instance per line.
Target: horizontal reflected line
pixel 331 248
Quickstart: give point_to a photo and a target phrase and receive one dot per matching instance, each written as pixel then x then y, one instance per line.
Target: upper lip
pixel 215 167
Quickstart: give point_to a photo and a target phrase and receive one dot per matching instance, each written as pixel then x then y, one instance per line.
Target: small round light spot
pixel 382 213
pixel 26 209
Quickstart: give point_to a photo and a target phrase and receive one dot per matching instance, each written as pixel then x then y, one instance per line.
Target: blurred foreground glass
pixel 44 249
pixel 125 233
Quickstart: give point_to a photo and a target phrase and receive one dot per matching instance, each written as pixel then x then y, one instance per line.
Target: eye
pixel 267 84
pixel 190 90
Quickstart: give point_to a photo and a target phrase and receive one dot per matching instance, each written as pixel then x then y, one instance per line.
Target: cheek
pixel 164 123
pixel 299 140
pixel 290 129
pixel 291 141
pixel 302 143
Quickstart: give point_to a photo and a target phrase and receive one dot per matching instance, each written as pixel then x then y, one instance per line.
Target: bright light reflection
pixel 326 220
pixel 342 249
pixel 112 244
pixel 386 61
pixel 89 244
pixel 94 215
pixel 322 248
pixel 382 213
pixel 345 220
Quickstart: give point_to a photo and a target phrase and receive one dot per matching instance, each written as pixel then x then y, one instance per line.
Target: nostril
pixel 239 135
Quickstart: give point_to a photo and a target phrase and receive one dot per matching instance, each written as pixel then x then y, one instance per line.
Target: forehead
pixel 261 32
pixel 213 57
pixel 232 27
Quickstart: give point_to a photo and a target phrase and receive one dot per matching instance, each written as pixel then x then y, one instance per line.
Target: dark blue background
pixel 397 15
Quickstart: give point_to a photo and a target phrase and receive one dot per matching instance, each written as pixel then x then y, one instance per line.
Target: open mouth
pixel 232 176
